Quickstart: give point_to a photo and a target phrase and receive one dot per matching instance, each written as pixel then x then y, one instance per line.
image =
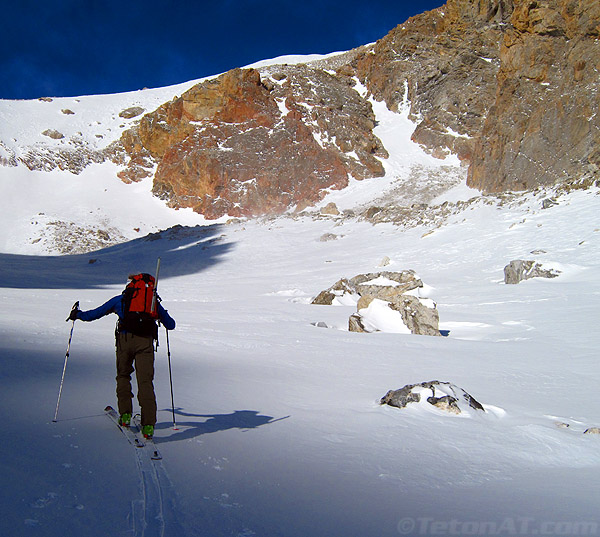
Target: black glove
pixel 74 311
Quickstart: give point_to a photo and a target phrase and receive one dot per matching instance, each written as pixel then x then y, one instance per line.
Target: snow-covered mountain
pixel 279 427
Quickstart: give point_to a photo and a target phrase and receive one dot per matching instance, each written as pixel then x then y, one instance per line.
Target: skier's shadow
pixel 186 430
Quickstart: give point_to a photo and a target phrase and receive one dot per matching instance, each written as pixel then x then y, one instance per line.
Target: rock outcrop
pixel 543 127
pixel 246 145
pixel 441 395
pixel 385 301
pixel 382 285
pixel 443 65
pixel 519 270
pixel 510 86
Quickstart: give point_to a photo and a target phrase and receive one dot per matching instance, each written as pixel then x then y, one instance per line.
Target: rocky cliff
pixel 510 86
pixel 443 65
pixel 543 126
pixel 245 144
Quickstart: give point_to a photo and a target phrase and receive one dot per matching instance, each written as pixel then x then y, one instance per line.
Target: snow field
pixel 279 427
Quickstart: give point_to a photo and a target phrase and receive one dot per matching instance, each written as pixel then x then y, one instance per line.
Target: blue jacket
pixel 115 305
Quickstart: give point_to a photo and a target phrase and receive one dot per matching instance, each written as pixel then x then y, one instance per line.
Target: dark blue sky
pixel 82 47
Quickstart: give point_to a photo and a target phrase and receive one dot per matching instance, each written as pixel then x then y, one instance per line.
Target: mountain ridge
pixel 507 86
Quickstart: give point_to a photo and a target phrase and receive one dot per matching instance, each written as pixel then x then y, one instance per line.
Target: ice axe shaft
pixel 153 307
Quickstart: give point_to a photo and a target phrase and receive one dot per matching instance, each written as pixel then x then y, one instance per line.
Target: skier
pixel 135 334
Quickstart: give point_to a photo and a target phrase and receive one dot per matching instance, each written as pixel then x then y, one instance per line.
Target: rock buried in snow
pixel 405 314
pixel 340 289
pixel 54 134
pixel 519 270
pixel 382 285
pixel 330 210
pixel 132 112
pixel 386 302
pixel 442 395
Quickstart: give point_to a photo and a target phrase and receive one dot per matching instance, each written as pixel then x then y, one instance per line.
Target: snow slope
pixel 279 430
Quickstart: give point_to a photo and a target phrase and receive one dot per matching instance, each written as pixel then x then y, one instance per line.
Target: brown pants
pixel 139 351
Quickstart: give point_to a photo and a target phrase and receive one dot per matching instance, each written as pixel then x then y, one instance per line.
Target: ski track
pixel 148 513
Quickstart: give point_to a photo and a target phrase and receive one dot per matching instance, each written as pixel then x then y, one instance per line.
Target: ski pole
pixel 170 378
pixel 62 380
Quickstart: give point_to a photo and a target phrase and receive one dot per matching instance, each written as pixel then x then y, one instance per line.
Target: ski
pixel 156 456
pixel 131 436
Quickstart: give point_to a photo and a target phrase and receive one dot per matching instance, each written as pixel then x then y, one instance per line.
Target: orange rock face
pixel 543 127
pixel 510 86
pixel 244 146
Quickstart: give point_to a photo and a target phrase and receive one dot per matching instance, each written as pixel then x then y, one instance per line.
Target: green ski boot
pixel 148 431
pixel 125 419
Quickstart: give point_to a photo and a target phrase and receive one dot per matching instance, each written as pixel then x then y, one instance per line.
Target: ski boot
pixel 125 419
pixel 148 431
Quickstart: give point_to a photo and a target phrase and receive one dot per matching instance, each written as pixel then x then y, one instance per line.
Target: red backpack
pixel 140 307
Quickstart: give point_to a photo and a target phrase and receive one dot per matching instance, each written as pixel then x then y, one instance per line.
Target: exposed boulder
pixel 548 202
pixel 385 301
pixel 441 395
pixel 131 112
pixel 342 288
pixel 355 324
pixel 403 314
pixel 386 285
pixel 330 210
pixel 383 285
pixel 326 237
pixel 519 270
pixel 419 315
pixel 54 134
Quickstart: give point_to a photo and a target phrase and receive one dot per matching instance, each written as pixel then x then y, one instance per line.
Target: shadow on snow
pixel 240 419
pixel 183 250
